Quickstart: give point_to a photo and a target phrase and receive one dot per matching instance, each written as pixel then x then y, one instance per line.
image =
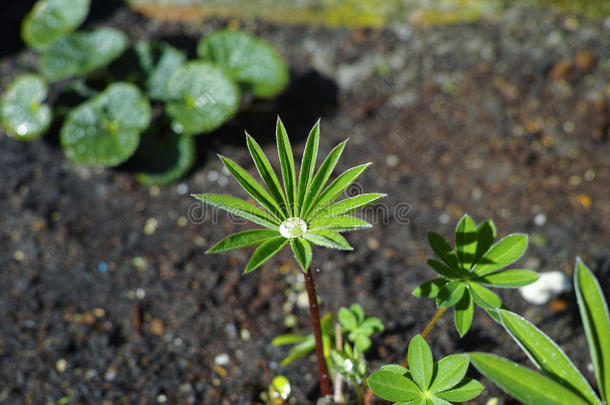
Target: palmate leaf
pixel 349 205
pixel 462 313
pixel 509 278
pixel 339 224
pixel 302 252
pixel 448 372
pixel 466 241
pixel 322 176
pixel 484 297
pixel 267 174
pixel 326 238
pixel 486 234
pixel 337 187
pixel 500 255
pixel 243 239
pixel 430 289
pixel 392 387
pixel 265 252
pixel 596 321
pixel 308 165
pixel 546 354
pixel 253 188
pixel 464 391
pixel 450 294
pixel 442 249
pixel 522 383
pixel 240 208
pixel 421 362
pixel 289 176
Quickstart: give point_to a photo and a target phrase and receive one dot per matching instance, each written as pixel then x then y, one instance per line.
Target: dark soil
pixel 106 295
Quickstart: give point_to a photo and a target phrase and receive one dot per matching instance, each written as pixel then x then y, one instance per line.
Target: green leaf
pixel 253 188
pixel 462 313
pixel 421 363
pixel 350 205
pixel 363 342
pixel 466 241
pixel 500 255
pixel 438 401
pixel 166 64
pixel 202 98
pixel 448 372
pixel 430 289
pixel 240 208
pixel 546 355
pixel 251 61
pixel 302 252
pixel 523 384
pixel 416 401
pixel 288 339
pixel 22 113
pixel 450 293
pixel 289 176
pixel 486 234
pixel 79 53
pixel 484 297
pixel 465 391
pixel 339 224
pixel 443 270
pixel 443 250
pixel 392 387
pixel 300 350
pixel 395 369
pixel 509 278
pixel 322 176
pixel 267 174
pixel 326 238
pixel 163 156
pixel 50 20
pixel 308 165
pixel 596 321
pixel 265 252
pixel 347 319
pixel 105 131
pixel 243 239
pixel 282 386
pixel 336 188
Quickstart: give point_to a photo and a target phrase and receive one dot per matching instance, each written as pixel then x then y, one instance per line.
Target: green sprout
pixel 359 326
pixel 425 383
pixel 475 263
pixel 299 213
pixel 560 382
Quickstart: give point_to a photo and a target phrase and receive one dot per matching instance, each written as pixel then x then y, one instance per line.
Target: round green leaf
pixel 251 61
pixel 163 158
pixel 22 113
pixel 203 97
pixel 82 52
pixel 105 130
pixel 163 67
pixel 49 20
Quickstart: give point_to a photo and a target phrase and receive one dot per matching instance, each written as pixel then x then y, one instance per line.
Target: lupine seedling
pixel 425 382
pixel 349 360
pixel 559 382
pixel 278 391
pixel 299 213
pixel 475 263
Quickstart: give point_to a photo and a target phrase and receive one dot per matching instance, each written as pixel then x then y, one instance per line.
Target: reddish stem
pixel 317 333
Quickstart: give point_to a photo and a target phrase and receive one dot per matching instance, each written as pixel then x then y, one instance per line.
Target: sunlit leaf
pixel 265 252
pixel 509 278
pixel 326 238
pixel 240 208
pixel 449 371
pixel 500 255
pixel 421 363
pixel 392 387
pixel 289 176
pixel 308 165
pixel 243 239
pixel 22 113
pixel 466 241
pixel 430 289
pixel 464 391
pixel 462 313
pixel 302 252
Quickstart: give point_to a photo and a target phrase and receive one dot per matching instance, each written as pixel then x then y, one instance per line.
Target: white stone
pixel 550 284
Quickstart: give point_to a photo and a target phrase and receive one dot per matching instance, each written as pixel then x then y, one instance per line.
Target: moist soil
pixel 107 296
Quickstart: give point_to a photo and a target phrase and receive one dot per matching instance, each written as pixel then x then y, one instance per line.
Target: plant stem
pixel 359 394
pixel 433 321
pixel 338 379
pixel 317 333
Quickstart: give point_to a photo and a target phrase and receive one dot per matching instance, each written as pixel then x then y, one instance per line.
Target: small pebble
pixel 110 374
pixel 18 255
pixel 139 263
pixel 392 160
pixel 444 219
pixel 162 398
pixel 182 221
pixel 154 191
pixel 150 226
pixel 245 334
pixel 182 189
pixel 372 243
pixel 102 267
pixel 61 365
pixel 540 219
pixel 140 293
pixel 549 284
pixel 303 300
pixel 213 175
pixel 221 359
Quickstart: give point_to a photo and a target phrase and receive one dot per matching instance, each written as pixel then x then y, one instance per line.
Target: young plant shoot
pixel 299 213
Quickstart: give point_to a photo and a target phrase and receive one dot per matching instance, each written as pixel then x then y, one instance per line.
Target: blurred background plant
pixel 117 121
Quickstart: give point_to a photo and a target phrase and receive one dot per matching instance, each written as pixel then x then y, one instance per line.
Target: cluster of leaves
pixel 349 361
pixel 301 212
pixel 475 263
pixel 278 391
pixel 425 382
pixel 112 124
pixel 560 382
